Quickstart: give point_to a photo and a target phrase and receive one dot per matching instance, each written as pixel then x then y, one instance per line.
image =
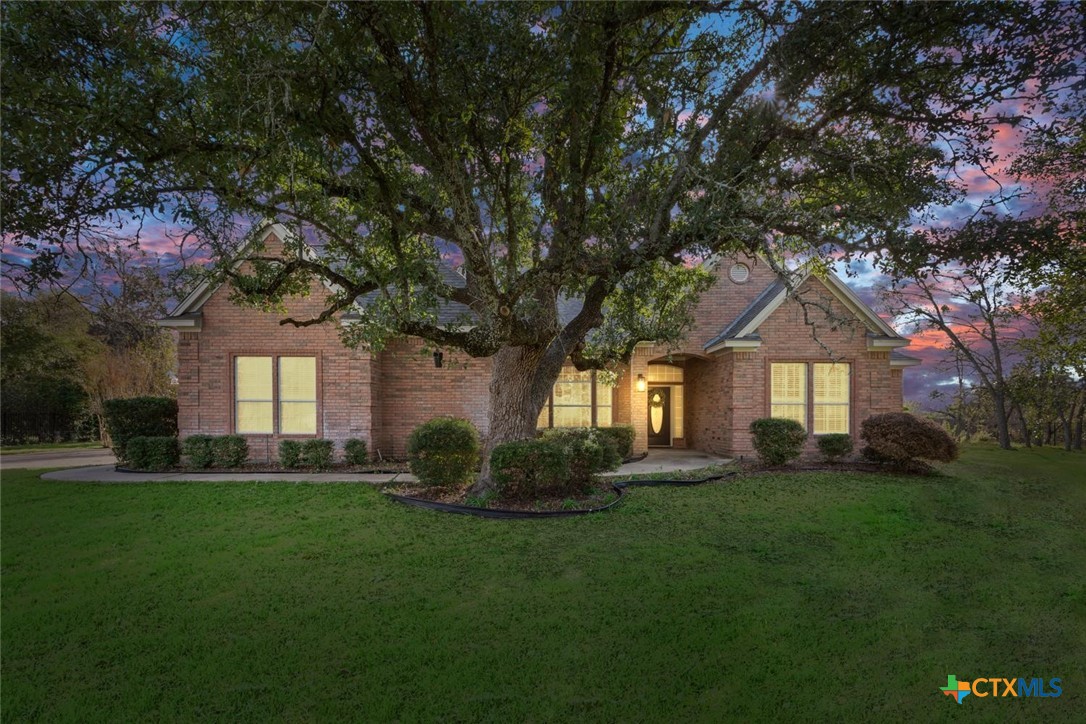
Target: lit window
pixel 298 395
pixel 573 399
pixel 571 403
pixel 253 386
pixel 604 397
pixel 788 391
pixel 255 395
pixel 831 398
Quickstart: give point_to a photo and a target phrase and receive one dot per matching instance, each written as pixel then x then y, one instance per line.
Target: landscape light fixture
pixel 439 358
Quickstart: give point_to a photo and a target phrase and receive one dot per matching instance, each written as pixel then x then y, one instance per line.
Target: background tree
pixel 42 342
pixel 976 305
pixel 559 149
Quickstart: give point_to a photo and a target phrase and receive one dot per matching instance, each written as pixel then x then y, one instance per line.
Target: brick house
pixel 750 354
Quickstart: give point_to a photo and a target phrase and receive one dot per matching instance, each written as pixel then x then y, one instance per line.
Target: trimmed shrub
pixel 622 437
pixel 777 440
pixel 443 452
pixel 902 438
pixel 138 416
pixel 290 453
pixel 317 454
pixel 527 468
pixel 152 452
pixel 197 449
pixel 230 451
pixel 835 446
pixel 355 452
pixel 587 453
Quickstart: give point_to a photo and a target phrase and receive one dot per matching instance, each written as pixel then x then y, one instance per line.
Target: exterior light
pixel 439 357
pixel 641 386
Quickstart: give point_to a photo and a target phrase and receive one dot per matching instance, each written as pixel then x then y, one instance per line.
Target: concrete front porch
pixel 663 460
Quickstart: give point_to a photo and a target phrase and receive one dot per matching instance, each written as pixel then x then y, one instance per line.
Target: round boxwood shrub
pixel 443 452
pixel 138 416
pixel 835 446
pixel 153 452
pixel 290 453
pixel 197 448
pixel 317 454
pixel 526 469
pixel 777 440
pixel 902 438
pixel 355 452
pixel 230 451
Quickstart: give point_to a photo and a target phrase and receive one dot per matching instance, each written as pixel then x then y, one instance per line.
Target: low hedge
pixel 197 448
pixel 317 453
pixel 290 453
pixel 622 437
pixel 152 452
pixel 587 451
pixel 526 469
pixel 835 446
pixel 901 438
pixel 777 440
pixel 443 452
pixel 355 452
pixel 126 418
pixel 230 451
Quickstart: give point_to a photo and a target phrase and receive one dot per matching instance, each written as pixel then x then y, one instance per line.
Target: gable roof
pixel 743 330
pixel 187 312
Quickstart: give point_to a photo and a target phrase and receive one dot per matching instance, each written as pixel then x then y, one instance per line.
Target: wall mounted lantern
pixel 641 385
pixel 439 358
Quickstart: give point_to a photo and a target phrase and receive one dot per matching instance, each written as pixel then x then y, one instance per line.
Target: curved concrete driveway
pixel 79 457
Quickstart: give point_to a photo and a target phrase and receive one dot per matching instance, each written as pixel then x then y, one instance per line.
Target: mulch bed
pixel 601 494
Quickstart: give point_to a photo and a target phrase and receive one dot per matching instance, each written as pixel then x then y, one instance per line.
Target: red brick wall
pixel 412 390
pixel 786 337
pixel 726 300
pixel 205 379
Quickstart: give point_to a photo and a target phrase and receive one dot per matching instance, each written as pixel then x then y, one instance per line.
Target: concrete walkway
pixel 77 457
pixel 656 462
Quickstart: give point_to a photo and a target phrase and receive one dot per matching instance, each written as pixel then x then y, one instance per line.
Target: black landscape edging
pixel 501 512
pixel 619 486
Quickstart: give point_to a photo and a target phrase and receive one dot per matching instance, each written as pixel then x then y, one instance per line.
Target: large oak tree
pixel 559 149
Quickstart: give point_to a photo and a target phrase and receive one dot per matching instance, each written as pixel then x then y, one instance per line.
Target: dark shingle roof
pixel 747 315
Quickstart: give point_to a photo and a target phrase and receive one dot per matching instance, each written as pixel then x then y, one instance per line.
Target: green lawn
pixel 821 597
pixel 49 447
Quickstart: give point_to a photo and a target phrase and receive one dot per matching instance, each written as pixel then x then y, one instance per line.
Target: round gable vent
pixel 739 273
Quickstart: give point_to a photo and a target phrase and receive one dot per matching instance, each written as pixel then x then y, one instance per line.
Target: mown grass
pixel 813 597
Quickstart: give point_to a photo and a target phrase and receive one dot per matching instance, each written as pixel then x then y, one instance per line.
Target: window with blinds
pixel 604 403
pixel 578 399
pixel 831 398
pixel 259 387
pixel 253 392
pixel 298 395
pixel 788 391
pixel 573 399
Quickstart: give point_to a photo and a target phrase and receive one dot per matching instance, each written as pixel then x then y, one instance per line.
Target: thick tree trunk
pixel 1001 421
pixel 1025 427
pixel 521 378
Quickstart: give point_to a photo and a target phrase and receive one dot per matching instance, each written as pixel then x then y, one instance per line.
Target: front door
pixel 660 416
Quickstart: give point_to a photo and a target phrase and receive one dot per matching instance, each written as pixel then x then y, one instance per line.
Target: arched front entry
pixel 665 394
